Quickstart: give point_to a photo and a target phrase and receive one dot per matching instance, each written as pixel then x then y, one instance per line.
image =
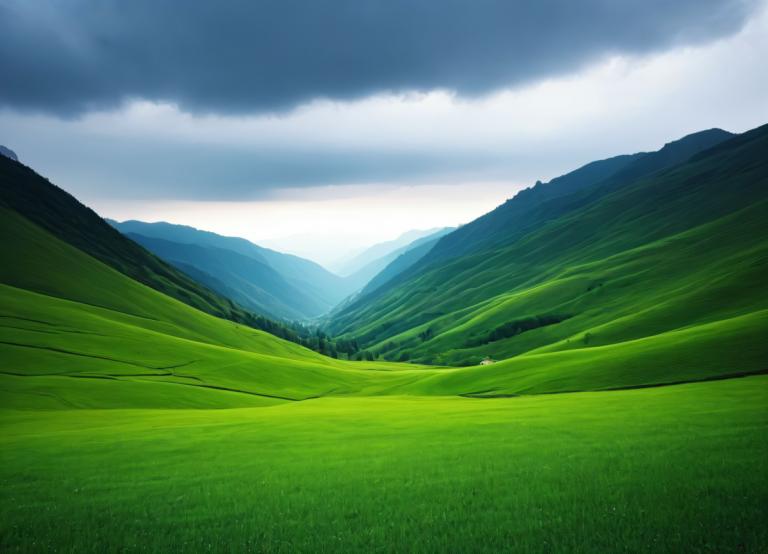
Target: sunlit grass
pixel 669 469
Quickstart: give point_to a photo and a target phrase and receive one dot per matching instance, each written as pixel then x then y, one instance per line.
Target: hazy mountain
pixel 321 289
pixel 403 258
pixel 371 270
pixel 378 251
pixel 247 280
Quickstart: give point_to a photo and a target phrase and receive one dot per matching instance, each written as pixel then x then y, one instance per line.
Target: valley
pixel 157 392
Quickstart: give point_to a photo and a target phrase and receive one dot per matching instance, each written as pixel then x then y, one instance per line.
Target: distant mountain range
pixel 374 254
pixel 263 280
pixel 393 264
pixel 281 285
pixel 369 265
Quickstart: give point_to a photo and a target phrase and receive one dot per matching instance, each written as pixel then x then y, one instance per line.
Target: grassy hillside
pixel 85 329
pixel 535 206
pixel 35 198
pixel 684 247
pixel 627 293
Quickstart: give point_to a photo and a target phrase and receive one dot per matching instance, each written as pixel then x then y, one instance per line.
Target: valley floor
pixel 664 469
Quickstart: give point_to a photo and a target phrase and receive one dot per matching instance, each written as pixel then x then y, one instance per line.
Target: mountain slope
pixel 372 270
pixel 246 280
pixel 532 207
pixel 34 197
pixel 647 258
pixel 92 337
pixel 404 258
pixel 324 287
pixel 380 250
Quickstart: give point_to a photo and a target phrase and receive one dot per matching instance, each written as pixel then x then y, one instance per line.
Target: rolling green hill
pixel 670 469
pixel 85 329
pixel 643 268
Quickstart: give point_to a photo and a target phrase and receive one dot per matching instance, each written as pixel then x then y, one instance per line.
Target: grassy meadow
pixel 666 469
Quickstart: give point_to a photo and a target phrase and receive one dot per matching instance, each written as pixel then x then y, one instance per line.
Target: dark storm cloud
pixel 71 56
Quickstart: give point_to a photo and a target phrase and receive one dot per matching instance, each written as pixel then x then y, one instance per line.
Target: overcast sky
pixel 318 127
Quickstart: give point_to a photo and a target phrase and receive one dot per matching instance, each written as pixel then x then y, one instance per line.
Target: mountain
pixel 628 291
pixel 546 201
pixel 282 285
pixel 8 153
pixel 252 283
pixel 633 270
pixel 362 277
pixel 537 205
pixel 323 287
pixel 37 200
pixel 403 258
pixel 378 251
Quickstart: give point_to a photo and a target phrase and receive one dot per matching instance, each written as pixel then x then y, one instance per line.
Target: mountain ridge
pixel 535 205
pixel 499 302
pixel 303 278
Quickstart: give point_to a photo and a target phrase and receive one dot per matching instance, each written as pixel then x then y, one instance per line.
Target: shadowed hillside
pixel 312 289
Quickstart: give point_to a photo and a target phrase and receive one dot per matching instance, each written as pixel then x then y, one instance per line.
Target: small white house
pixel 487 361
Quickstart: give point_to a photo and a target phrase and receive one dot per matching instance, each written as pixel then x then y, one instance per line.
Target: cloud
pixel 69 57
pixel 156 151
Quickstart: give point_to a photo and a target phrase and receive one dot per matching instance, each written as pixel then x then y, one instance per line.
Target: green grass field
pixel 669 469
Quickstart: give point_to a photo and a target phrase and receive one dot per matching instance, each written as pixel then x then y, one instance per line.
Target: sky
pixel 321 127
